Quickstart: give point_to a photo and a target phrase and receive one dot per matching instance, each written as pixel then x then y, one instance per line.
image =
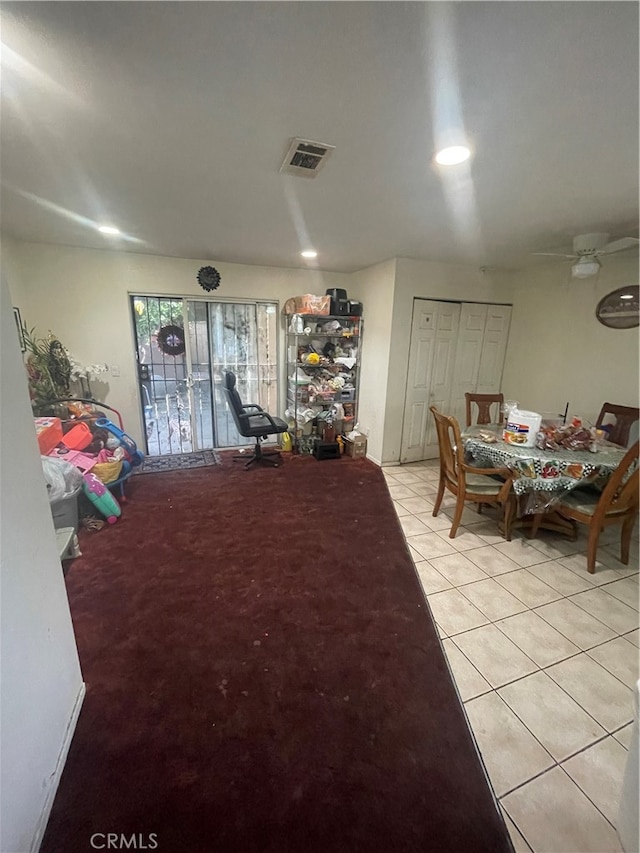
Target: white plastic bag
pixel 62 478
pixel 355 433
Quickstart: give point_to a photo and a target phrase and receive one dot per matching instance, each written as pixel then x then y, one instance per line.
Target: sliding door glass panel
pixel 267 324
pixel 199 378
pixel 244 341
pixel 184 408
pixel 233 347
pixel 162 377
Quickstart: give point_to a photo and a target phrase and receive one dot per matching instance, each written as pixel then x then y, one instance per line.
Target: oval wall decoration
pixel 620 308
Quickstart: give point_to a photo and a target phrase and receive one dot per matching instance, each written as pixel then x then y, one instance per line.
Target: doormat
pixel 153 464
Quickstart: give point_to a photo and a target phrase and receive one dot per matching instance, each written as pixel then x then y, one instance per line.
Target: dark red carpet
pixel 263 675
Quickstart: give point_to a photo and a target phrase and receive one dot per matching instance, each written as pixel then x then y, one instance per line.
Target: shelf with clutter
pixel 324 340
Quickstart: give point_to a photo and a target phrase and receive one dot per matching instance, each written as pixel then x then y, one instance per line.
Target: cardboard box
pixel 308 303
pixel 356 447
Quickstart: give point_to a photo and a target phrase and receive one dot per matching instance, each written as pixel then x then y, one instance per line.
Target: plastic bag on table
pixel 62 478
pixel 571 436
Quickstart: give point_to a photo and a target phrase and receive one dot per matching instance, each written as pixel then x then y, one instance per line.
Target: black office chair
pixel 252 422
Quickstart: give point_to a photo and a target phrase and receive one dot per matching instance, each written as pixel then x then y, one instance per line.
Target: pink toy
pixel 82 461
pixel 101 498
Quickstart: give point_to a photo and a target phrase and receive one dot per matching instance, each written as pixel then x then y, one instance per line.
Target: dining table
pixel 541 477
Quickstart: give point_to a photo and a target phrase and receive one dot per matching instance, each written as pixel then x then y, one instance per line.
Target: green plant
pixel 48 369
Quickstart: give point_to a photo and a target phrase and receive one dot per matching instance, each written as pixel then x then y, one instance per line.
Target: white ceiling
pixel 171 121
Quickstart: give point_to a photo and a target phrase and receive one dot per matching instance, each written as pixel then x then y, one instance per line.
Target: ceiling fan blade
pixel 554 255
pixel 619 245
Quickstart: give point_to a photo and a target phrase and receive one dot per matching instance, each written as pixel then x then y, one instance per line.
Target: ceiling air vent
pixel 305 158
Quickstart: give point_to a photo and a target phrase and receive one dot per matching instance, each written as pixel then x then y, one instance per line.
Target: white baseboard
pixel 375 461
pixel 57 774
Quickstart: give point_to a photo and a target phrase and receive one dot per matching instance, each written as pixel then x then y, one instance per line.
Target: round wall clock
pixel 620 308
pixel 208 278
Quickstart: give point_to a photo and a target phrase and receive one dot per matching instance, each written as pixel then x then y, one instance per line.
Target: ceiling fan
pixel 587 250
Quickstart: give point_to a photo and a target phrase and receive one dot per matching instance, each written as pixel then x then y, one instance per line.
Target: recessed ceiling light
pixel 309 253
pixel 627 296
pixel 108 229
pixel 453 155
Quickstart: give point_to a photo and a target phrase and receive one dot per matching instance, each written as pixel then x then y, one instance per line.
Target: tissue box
pixel 356 447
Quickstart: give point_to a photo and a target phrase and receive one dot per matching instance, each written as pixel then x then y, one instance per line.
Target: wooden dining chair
pixel 483 403
pixel 616 504
pixel 625 417
pixel 469 484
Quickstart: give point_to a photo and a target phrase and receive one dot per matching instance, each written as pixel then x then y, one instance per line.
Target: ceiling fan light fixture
pixel 585 268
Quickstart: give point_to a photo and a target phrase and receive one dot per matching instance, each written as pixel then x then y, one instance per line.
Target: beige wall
pixel 558 352
pixel 42 685
pixel 9 258
pixel 374 288
pixel 82 296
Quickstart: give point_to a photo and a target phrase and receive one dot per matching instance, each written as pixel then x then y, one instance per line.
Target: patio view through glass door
pixel 180 374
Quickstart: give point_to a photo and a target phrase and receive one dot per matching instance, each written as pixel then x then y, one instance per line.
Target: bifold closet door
pixel 480 351
pixel 469 345
pixel 431 364
pixel 494 347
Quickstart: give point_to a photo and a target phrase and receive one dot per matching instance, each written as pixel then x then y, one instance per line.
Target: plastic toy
pixel 82 461
pixel 101 498
pixel 125 440
pixel 106 435
pixel 119 483
pixel 78 438
pixel 49 432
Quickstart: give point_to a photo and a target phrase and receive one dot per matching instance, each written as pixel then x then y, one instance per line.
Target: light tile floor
pixel 544 656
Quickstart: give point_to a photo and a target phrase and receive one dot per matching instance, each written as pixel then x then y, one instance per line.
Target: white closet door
pixel 494 347
pixel 473 318
pixel 431 364
pixel 416 409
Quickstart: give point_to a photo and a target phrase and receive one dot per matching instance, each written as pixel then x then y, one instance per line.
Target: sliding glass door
pixel 243 341
pixel 180 372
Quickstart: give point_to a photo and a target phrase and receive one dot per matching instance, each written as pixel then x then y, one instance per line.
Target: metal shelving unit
pixel 307 384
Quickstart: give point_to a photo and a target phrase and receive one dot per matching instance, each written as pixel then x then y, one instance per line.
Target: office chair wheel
pixel 261 456
pixel 265 459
